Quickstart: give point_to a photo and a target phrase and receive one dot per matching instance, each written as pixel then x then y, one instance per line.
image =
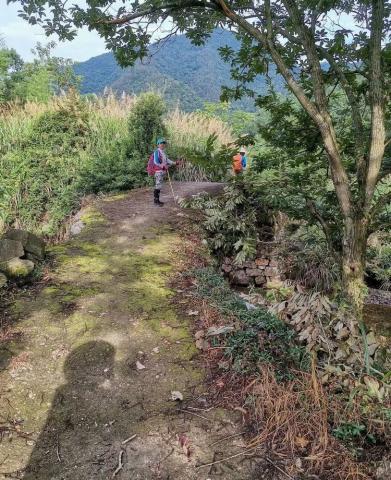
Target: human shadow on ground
pixel 75 442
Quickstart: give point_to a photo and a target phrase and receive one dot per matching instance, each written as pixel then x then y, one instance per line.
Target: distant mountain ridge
pixel 185 74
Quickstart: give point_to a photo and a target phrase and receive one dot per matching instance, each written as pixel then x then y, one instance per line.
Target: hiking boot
pixel 156 199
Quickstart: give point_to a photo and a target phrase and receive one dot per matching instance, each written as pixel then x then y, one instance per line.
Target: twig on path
pixel 120 464
pixel 129 439
pixel 201 409
pixel 192 413
pixel 245 452
pixel 58 450
pixel 279 469
pixel 227 438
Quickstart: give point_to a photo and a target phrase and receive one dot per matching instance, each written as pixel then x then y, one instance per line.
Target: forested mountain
pixel 183 72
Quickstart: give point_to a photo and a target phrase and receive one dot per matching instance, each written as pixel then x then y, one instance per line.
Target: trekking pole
pixel 172 190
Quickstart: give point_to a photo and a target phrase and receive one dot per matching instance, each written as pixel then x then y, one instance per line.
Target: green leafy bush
pixel 145 123
pixel 379 263
pixel 306 257
pixel 234 220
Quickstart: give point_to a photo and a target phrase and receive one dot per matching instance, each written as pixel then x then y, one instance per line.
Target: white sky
pixel 21 36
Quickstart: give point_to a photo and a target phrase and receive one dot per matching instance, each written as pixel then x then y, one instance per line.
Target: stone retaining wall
pixel 261 271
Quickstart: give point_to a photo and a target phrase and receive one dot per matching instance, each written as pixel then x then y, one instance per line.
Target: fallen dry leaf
pixel 301 442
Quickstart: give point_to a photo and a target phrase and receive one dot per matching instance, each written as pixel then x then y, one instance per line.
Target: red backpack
pixel 151 167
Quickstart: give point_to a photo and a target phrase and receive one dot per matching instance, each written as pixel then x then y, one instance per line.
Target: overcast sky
pixel 18 34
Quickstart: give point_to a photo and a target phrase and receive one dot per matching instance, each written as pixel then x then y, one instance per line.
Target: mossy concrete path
pixel 100 349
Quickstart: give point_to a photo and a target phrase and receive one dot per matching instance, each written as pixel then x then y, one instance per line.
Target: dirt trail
pixel 74 375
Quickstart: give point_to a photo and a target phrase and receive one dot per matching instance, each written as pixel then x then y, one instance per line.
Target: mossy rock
pixel 3 280
pixel 18 268
pixel 10 249
pixel 32 244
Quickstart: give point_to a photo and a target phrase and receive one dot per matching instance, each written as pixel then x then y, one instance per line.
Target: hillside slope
pixel 184 73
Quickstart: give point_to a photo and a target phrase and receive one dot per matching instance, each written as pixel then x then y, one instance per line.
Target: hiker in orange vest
pixel 239 161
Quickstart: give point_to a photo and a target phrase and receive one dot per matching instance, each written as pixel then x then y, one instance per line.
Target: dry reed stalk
pixel 293 423
pixel 193 128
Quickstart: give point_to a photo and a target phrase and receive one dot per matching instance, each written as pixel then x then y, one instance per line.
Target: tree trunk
pixel 353 262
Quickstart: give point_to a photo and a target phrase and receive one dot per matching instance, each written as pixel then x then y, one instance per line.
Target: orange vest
pixel 237 163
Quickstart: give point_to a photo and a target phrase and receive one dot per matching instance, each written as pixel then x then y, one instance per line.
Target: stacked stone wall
pixel 261 271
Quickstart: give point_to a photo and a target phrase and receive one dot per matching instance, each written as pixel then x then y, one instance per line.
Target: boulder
pixel 3 280
pixel 17 268
pixel 226 268
pixel 10 249
pixel 31 243
pixel 239 278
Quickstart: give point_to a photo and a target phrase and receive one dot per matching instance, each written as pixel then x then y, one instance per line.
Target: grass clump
pixel 259 336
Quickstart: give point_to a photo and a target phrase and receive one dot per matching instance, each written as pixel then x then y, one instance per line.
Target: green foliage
pixel 379 263
pixel 307 258
pixel 11 65
pixel 36 81
pixel 259 336
pixel 146 123
pixel 67 151
pixel 354 434
pixel 44 171
pixel 233 221
pixel 241 122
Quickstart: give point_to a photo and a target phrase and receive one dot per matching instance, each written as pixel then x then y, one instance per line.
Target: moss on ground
pixel 101 291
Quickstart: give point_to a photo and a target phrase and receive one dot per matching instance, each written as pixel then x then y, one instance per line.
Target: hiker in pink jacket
pixel 158 165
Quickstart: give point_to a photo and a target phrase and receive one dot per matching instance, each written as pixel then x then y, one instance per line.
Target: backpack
pixel 151 167
pixel 237 163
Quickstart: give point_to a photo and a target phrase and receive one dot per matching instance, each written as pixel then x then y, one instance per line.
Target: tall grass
pixel 46 169
pixel 189 135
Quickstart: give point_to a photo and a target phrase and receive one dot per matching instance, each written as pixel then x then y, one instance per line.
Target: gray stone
pixel 3 280
pixel 253 272
pixel 17 268
pixel 31 243
pixel 261 280
pixel 10 249
pixel 77 227
pixel 271 271
pixel 249 264
pixel 226 268
pixel 239 278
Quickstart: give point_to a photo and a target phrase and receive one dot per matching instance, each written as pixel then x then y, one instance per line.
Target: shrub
pixel 145 123
pixel 233 221
pixel 307 258
pixel 379 263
